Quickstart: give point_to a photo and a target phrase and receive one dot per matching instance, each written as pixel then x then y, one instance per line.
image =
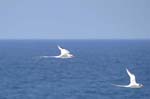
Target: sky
pixel 74 19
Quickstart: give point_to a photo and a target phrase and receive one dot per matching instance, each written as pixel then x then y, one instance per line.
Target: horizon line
pixel 75 39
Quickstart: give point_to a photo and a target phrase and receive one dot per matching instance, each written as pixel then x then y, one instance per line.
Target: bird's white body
pixel 133 83
pixel 64 53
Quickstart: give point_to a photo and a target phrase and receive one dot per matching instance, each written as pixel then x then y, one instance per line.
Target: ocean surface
pixel 89 75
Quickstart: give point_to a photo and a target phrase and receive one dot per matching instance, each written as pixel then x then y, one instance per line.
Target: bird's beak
pixel 73 56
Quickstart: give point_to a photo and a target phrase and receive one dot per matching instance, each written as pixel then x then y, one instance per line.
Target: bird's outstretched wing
pixel 132 77
pixel 63 51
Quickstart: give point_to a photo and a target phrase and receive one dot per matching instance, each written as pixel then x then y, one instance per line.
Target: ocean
pixel 89 75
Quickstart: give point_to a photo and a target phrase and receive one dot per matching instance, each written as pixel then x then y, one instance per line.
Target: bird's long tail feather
pixel 120 85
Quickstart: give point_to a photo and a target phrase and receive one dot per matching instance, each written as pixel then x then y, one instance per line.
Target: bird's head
pixel 72 55
pixel 141 85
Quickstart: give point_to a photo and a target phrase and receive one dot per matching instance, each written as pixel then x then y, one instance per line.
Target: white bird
pixel 133 83
pixel 64 53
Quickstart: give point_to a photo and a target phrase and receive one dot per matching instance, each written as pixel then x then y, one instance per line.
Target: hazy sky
pixel 74 19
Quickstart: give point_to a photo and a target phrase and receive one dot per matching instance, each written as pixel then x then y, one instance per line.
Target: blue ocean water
pixel 97 65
